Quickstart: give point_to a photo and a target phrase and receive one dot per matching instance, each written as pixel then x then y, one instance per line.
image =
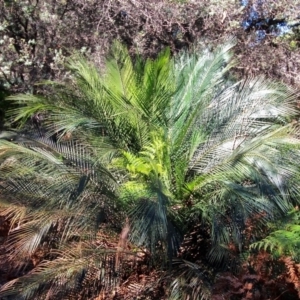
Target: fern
pixel 285 240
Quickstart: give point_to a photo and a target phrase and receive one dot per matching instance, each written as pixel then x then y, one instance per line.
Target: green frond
pixel 51 189
pixel 285 240
pixel 199 77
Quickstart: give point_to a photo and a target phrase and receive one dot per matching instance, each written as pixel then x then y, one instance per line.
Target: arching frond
pixel 99 103
pixel 51 193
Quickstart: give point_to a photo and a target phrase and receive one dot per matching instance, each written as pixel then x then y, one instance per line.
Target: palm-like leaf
pixel 100 104
pixel 53 194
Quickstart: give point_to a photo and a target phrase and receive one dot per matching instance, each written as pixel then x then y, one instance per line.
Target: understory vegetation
pixel 157 164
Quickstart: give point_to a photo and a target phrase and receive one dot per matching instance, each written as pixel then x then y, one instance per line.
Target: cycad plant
pixel 157 145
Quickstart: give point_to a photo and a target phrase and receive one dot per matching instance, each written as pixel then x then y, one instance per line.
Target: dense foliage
pixel 37 36
pixel 160 146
